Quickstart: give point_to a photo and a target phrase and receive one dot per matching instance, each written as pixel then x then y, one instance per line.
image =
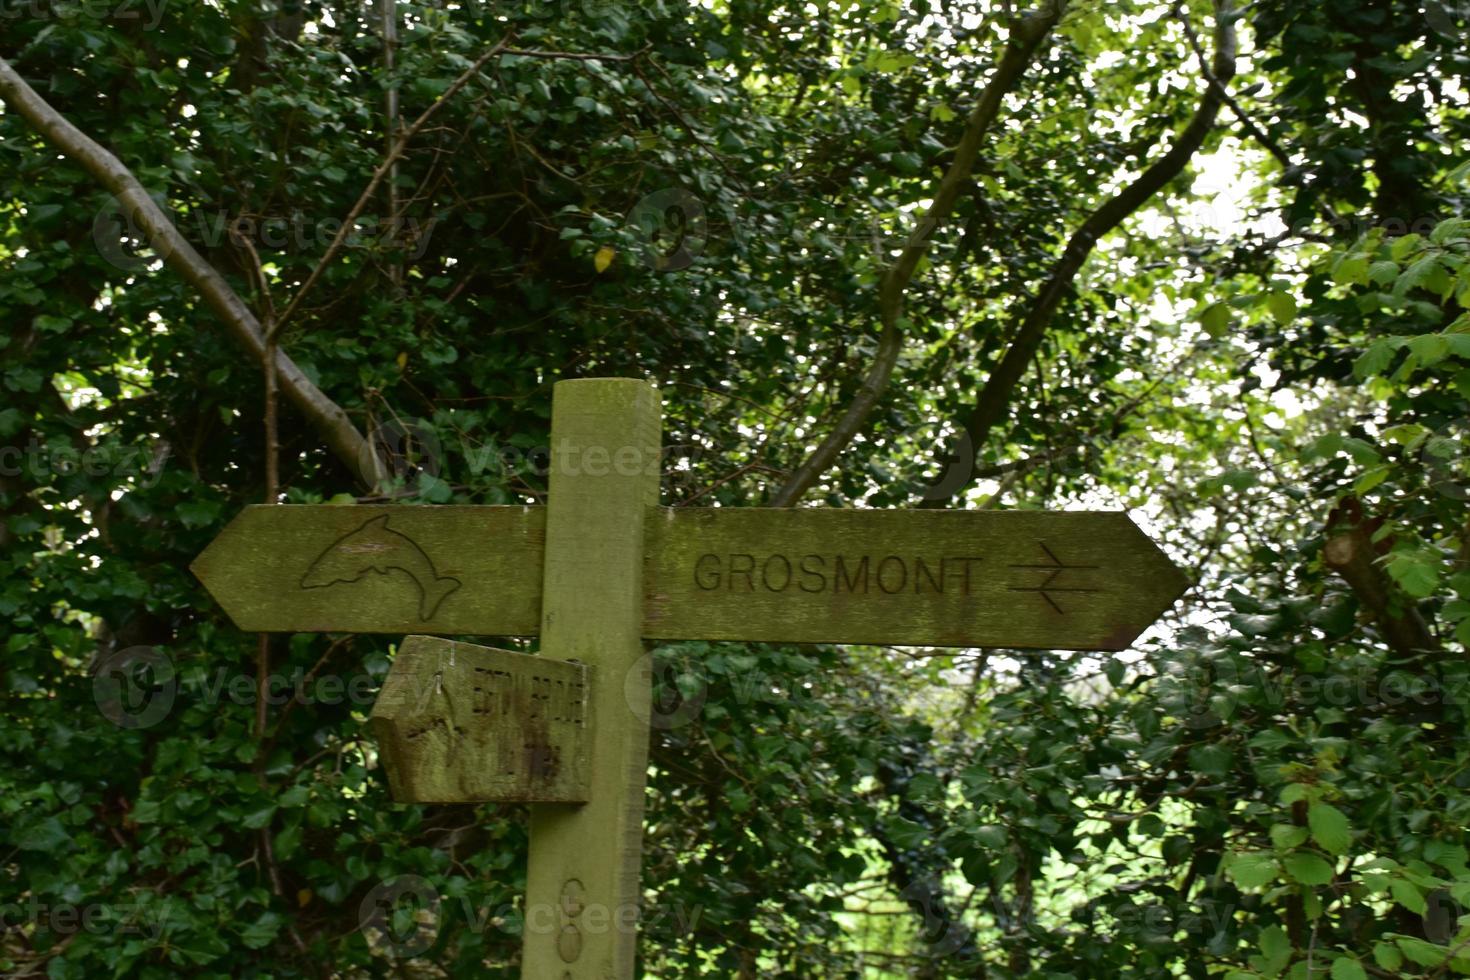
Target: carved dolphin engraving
pixel 375 547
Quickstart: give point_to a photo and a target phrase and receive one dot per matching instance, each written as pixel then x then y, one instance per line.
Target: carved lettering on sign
pixel 838 574
pixel 458 722
pixel 1054 567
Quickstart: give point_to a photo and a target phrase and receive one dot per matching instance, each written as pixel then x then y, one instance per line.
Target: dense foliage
pixel 1268 358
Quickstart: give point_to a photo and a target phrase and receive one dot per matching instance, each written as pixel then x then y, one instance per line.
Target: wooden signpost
pixel 599 570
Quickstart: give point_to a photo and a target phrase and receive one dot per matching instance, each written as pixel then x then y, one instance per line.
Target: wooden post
pixel 582 888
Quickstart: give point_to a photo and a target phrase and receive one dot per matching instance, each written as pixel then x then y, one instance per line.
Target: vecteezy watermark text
pixel 149 12
pixel 96 918
pixel 401 917
pixel 120 236
pixel 36 459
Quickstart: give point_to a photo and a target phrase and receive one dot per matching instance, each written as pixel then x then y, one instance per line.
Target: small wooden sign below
pixel 460 723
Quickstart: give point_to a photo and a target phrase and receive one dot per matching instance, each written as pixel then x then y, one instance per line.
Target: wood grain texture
pixel 315 568
pixel 1072 580
pixel 461 723
pixel 582 891
pixel 1023 579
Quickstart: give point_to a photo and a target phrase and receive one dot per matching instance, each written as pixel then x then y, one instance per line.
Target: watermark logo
pixel 949 462
pixel 135 687
pixel 409 448
pixel 1448 18
pixel 670 228
pixel 677 697
pixel 400 917
pixel 121 239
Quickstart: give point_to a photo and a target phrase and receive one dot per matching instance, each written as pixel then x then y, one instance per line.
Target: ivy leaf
pixel 259 817
pixel 44 835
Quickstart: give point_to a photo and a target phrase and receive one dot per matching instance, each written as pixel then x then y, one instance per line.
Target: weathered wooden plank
pixel 395 569
pixel 582 879
pixel 1026 579
pixel 461 723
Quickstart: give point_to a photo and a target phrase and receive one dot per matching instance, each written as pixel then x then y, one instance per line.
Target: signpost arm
pixel 582 887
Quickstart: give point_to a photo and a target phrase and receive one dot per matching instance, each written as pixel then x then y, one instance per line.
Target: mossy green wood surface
pixel 449 569
pixel 582 880
pixel 1028 579
pixel 461 723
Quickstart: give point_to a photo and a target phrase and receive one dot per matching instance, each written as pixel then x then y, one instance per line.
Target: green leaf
pixel 43 835
pixel 1407 894
pixel 1212 760
pixel 1421 952
pixel 1287 836
pixel 1382 273
pixel 1376 359
pixel 1329 828
pixel 991 836
pixel 197 513
pixel 1452 857
pixel 259 817
pixel 1215 319
pixel 260 933
pixel 1276 947
pixel 1351 270
pixel 1388 956
pixel 1347 968
pixel 1308 868
pixel 1415 275
pixel 1253 869
pixel 1429 349
pixel 1448 229
pixel 905 833
pixel 11 422
pixel 1414 574
pixel 1404 245
pixel 1282 306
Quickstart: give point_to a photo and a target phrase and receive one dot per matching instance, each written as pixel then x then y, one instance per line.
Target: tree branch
pixel 1027 34
pixel 326 416
pixel 1352 554
pixel 991 406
